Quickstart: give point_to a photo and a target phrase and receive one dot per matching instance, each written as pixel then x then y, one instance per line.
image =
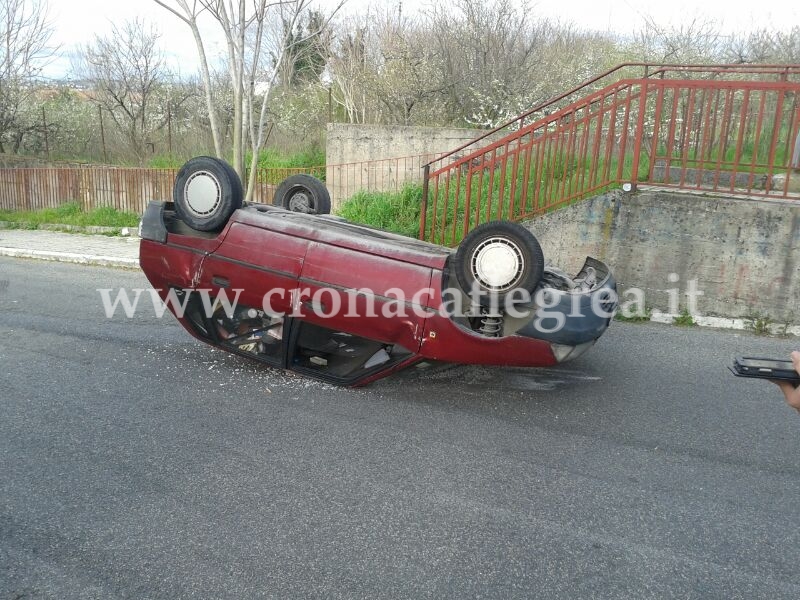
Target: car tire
pixel 497 258
pixel 206 193
pixel 303 193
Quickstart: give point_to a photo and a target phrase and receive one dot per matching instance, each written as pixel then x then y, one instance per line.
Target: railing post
pixel 637 144
pixel 423 214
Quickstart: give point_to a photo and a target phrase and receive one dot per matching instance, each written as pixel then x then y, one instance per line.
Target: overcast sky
pixel 77 21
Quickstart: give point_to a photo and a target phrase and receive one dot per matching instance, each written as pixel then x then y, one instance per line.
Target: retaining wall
pixel 744 254
pixel 352 151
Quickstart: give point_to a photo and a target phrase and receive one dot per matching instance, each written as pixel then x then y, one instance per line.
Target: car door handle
pixel 220 281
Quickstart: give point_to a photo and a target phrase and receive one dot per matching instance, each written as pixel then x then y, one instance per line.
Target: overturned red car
pixel 296 288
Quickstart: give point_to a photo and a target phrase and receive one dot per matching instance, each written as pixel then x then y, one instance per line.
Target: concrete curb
pixel 69 257
pixel 87 229
pixel 730 323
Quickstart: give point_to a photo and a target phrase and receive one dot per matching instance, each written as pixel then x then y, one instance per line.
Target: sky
pixel 78 21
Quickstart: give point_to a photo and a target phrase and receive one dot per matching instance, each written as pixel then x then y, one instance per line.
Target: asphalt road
pixel 136 462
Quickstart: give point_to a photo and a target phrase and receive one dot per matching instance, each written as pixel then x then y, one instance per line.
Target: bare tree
pixel 348 67
pixel 259 36
pixel 408 72
pixel 498 58
pixel 462 62
pixel 695 40
pixel 765 46
pixel 125 69
pixel 189 12
pixel 25 33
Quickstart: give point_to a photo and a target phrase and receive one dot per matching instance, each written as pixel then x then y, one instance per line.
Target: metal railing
pixel 723 128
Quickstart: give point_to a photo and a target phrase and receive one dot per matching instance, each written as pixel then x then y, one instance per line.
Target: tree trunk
pixel 212 111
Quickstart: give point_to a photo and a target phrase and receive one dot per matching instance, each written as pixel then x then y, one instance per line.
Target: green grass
pixel 636 317
pixel 393 211
pixel 71 213
pixel 268 159
pixel 165 162
pixel 684 319
pixel 447 207
pixel 759 324
pixel 558 178
pixel 273 159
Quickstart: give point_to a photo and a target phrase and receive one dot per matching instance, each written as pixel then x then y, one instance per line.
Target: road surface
pixel 136 462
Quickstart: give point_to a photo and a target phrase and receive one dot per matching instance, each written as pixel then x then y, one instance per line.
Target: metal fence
pixel 725 129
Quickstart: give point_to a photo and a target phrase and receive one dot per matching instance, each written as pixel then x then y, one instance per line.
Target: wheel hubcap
pixel 202 193
pixel 497 264
pixel 300 202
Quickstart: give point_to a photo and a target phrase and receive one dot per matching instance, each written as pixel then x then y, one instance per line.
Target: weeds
pixel 637 317
pixel 759 324
pixel 684 319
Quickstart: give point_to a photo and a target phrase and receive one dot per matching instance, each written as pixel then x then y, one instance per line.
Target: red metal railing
pixel 724 128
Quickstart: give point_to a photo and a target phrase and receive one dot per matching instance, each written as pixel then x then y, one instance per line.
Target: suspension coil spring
pixel 491 325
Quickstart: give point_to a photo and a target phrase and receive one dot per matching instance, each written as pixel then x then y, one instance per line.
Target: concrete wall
pixel 744 254
pixel 352 150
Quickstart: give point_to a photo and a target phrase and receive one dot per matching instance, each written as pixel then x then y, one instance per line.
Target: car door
pixel 364 294
pixel 259 266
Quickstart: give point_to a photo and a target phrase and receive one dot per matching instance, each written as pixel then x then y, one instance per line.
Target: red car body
pixel 304 263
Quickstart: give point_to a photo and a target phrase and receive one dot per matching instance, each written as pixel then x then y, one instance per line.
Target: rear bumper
pixel 152 226
pixel 576 319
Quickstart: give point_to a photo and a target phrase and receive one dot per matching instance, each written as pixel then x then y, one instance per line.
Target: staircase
pixel 729 129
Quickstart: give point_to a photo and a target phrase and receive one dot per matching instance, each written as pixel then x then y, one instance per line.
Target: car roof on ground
pixel 345 234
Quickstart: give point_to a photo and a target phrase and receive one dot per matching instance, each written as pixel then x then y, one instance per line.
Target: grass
pixel 273 159
pixel 684 319
pixel 70 213
pixel 267 159
pixel 451 206
pixel 466 199
pixel 759 324
pixel 393 211
pixel 637 316
pixel 165 162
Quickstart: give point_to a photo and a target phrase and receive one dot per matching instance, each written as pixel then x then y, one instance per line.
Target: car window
pixel 341 356
pixel 249 330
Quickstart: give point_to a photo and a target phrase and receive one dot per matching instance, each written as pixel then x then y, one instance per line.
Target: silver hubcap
pixel 202 193
pixel 498 264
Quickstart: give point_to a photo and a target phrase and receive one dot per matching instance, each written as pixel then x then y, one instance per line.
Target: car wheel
pixel 497 258
pixel 207 191
pixel 303 193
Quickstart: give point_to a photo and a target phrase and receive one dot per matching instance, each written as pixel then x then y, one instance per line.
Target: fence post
pixel 426 171
pixel 637 143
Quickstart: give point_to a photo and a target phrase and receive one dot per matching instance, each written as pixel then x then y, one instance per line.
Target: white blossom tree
pixel 25 31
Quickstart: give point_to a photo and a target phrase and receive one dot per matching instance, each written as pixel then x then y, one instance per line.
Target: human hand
pixel 791 392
